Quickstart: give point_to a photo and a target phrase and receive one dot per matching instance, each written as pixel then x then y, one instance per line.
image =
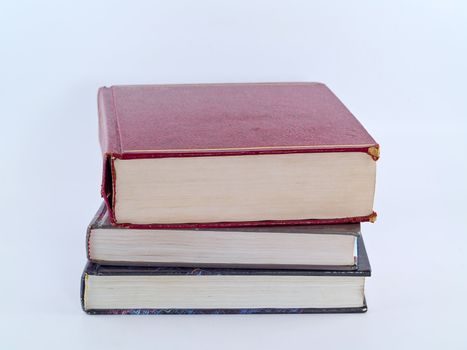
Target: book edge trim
pixel 371 149
pixel 367 218
pixel 361 309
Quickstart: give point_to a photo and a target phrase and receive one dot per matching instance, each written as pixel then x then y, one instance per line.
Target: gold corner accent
pixel 373 151
pixel 372 218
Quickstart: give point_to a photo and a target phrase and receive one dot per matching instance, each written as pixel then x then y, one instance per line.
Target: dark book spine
pixel 95 223
pixel 83 290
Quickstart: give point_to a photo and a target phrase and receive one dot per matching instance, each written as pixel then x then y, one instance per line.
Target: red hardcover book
pixel 223 155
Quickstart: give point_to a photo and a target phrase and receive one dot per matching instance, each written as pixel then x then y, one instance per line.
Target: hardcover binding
pixel 97 221
pixel 118 143
pixel 362 309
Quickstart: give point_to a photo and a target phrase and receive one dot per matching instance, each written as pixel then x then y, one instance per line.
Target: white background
pixel 400 67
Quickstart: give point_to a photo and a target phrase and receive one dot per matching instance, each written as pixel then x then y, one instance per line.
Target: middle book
pixel 273 247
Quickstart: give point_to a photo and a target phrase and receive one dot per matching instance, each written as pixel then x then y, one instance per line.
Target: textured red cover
pixel 154 121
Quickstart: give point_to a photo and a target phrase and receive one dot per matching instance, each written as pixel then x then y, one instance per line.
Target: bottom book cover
pixel 182 290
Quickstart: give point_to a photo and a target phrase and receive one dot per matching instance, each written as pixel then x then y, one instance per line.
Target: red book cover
pixel 168 121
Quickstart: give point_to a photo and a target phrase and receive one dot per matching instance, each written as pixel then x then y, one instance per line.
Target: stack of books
pixel 229 198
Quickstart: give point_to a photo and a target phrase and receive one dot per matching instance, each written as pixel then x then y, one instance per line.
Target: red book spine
pixel 109 138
